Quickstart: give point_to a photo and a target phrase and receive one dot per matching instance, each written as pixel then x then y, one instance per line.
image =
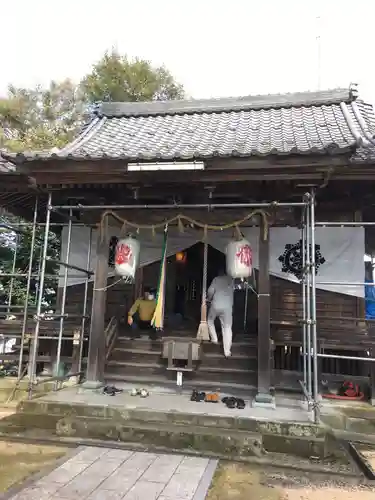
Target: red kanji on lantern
pixel 124 254
pixel 245 255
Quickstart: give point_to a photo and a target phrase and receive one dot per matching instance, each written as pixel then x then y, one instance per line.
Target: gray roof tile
pixel 301 123
pixel 5 166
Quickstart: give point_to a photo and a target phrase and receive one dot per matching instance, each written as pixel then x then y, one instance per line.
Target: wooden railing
pixel 110 335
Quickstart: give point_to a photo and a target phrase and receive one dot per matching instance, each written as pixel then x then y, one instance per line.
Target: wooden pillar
pixel 97 348
pixel 264 396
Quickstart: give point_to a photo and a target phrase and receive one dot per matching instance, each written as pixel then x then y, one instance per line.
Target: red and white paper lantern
pixel 127 257
pixel 239 259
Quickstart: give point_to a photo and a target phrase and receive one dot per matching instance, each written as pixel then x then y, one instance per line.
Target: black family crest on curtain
pixel 291 259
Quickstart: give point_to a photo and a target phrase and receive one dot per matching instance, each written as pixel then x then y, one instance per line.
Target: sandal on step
pixel 240 403
pixel 212 397
pixel 231 403
pixel 194 396
pixel 144 393
pixel 114 389
pixel 197 396
pixel 109 391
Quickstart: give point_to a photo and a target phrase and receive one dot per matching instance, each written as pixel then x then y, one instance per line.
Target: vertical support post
pixel 264 396
pixel 10 292
pixel 11 282
pixel 313 309
pixel 63 300
pixel 303 282
pixel 307 270
pixel 84 311
pixel 97 347
pixel 246 282
pixel 35 340
pixel 27 297
pixel 360 301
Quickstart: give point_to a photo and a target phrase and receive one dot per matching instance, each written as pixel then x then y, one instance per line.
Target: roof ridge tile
pixel 224 104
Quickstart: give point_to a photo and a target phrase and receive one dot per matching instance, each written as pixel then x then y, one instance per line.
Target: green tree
pixel 40 118
pixel 115 77
pixel 15 251
pixel 44 118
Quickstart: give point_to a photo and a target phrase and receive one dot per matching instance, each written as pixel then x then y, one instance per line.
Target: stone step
pixel 245 362
pixel 124 368
pixel 203 440
pixel 209 359
pixel 226 374
pixel 227 435
pixel 136 355
pixel 168 382
pixel 240 348
pixel 207 374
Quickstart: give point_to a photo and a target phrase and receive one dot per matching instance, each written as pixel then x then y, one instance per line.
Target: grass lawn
pixel 19 461
pixel 235 481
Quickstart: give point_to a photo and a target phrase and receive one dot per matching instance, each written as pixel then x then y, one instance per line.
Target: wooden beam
pixel 264 396
pixel 97 347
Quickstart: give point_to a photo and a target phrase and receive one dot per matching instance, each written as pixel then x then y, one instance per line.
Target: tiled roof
pixel 5 166
pixel 323 122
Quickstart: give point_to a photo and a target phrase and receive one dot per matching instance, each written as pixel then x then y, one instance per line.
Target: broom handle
pixel 204 284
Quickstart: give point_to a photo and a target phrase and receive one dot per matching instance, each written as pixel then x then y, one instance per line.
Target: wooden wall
pixel 286 301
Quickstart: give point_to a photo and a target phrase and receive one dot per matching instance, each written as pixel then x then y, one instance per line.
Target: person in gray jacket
pixel 220 294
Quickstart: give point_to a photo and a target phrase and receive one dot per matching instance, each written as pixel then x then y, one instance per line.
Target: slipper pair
pixel 111 390
pixel 139 392
pixel 212 397
pixel 234 403
pixel 198 397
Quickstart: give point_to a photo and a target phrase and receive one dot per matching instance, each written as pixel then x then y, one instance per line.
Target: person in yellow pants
pixel 141 312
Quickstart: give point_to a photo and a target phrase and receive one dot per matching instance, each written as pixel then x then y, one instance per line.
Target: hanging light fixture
pixel 181 257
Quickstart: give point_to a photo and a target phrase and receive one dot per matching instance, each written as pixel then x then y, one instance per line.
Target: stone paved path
pixel 109 474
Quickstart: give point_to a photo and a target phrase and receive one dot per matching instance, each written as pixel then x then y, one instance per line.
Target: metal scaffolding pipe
pixel 34 347
pixel 11 283
pixel 25 275
pixel 343 224
pixel 29 274
pixel 337 356
pixel 303 282
pixel 41 337
pixel 71 266
pixel 45 316
pixel 39 269
pixel 306 394
pixel 63 298
pixel 344 283
pixel 41 224
pixel 313 306
pixel 308 303
pixel 85 303
pixel 245 306
pixel 176 207
pixel 14 306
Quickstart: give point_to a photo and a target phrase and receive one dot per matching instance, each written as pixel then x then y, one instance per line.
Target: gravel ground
pixel 235 481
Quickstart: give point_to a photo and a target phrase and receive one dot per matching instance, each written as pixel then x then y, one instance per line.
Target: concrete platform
pixel 166 421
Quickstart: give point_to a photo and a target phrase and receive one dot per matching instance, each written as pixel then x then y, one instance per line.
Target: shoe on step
pixel 240 403
pixel 108 391
pixel 231 403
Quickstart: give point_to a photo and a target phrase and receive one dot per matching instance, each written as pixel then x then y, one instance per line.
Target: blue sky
pixel 214 47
